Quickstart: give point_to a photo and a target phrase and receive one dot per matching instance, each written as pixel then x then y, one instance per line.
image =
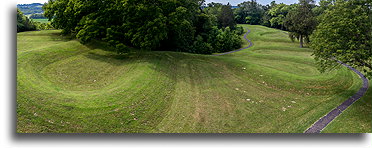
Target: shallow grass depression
pixel 64 86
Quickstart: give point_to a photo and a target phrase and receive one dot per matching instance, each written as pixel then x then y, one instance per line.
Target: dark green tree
pixel 249 12
pixel 323 6
pixel 226 17
pixel 301 21
pixel 278 14
pixel 344 33
pixel 23 23
pixel 266 16
pixel 181 31
pixel 213 8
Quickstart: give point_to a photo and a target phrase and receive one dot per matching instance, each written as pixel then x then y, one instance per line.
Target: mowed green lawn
pixel 356 119
pixel 272 87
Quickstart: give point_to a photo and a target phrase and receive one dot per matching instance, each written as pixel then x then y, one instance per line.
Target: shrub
pixel 201 47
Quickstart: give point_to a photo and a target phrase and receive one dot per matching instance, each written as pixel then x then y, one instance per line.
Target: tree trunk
pixel 301 42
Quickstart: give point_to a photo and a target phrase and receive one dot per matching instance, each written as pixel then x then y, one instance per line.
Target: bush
pixel 201 47
pixel 121 48
pixel 239 30
pixel 227 40
pixel 43 26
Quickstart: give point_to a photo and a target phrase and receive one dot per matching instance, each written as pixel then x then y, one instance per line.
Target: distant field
pixel 272 87
pixel 41 20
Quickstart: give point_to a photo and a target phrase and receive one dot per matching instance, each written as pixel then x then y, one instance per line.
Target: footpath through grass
pixel 272 87
pixel 356 119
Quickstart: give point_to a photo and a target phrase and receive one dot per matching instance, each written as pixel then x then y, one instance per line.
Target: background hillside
pixel 29 9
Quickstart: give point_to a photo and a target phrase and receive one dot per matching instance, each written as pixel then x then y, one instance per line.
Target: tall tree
pixel 213 8
pixel 323 6
pixel 226 17
pixel 301 21
pixel 249 12
pixel 278 14
pixel 344 33
pixel 266 16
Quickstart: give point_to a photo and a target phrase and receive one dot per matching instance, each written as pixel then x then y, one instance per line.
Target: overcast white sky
pixel 232 2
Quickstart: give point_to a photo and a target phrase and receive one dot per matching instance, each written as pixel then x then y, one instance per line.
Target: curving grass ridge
pixel 64 86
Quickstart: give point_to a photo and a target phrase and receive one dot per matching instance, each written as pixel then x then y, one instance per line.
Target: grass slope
pixel 64 86
pixel 356 119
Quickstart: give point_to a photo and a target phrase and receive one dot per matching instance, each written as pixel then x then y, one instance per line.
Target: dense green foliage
pixel 213 8
pixel 37 16
pixel 226 17
pixel 223 15
pixel 271 15
pixel 278 14
pixel 23 23
pixel 323 6
pixel 344 33
pixel 42 25
pixel 249 12
pixel 64 86
pixel 34 8
pixel 301 21
pixel 177 25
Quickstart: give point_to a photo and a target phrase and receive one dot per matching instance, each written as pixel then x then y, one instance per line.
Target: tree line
pixel 175 25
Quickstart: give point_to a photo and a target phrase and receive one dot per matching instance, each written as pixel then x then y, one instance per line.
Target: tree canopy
pixel 344 33
pixel 301 21
pixel 226 17
pixel 249 12
pixel 179 25
pixel 278 14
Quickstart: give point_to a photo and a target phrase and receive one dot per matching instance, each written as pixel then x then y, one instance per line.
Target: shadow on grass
pixel 114 59
pixel 53 36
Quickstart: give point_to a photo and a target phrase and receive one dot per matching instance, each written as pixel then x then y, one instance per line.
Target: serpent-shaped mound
pixel 273 86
